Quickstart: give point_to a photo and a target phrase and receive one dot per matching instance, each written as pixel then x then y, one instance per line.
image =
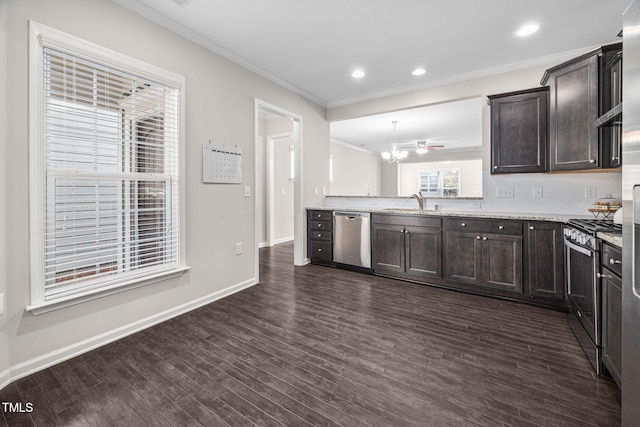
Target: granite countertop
pixel 613 238
pixel 467 214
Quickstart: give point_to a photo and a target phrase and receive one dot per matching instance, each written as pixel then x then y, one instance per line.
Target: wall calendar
pixel 221 164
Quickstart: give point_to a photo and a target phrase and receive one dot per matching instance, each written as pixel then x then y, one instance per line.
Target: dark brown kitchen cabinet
pixel 519 131
pixel 320 236
pixel 486 253
pixel 407 247
pixel 575 104
pixel 610 121
pixel 612 311
pixel 545 261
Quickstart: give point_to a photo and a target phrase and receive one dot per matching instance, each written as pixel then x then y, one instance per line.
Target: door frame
pixel 299 243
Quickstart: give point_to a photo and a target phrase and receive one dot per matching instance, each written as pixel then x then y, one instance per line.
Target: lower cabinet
pixel 403 250
pixel 545 261
pixel 320 236
pixel 507 258
pixel 612 312
pixel 484 259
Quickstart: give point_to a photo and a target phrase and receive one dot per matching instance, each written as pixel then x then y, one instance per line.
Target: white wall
pixel 355 172
pixel 470 171
pixel 283 204
pixel 220 98
pixel 283 191
pixel 4 201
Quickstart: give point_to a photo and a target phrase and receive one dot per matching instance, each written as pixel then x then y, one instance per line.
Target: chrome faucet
pixel 420 200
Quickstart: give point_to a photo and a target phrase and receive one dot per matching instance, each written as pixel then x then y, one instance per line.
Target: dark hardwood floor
pixel 316 346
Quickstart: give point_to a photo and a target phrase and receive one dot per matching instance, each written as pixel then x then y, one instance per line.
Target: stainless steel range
pixel 584 287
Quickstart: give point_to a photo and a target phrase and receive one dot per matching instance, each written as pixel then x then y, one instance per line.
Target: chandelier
pixel 395 155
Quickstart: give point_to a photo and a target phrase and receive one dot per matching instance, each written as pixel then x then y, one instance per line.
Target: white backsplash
pixel 561 194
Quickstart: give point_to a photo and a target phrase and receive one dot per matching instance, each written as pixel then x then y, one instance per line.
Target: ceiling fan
pixel 423 147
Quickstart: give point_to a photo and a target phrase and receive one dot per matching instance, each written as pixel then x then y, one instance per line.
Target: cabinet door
pixel 545 260
pixel 612 324
pixel 502 262
pixel 573 137
pixel 388 249
pixel 423 252
pixel 519 132
pixel 463 257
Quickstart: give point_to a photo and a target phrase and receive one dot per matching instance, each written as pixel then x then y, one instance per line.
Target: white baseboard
pixel 283 240
pixel 5 378
pixel 42 362
pixel 263 245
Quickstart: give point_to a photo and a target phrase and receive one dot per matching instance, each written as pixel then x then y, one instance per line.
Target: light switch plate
pixel 537 192
pixel 247 191
pixel 590 192
pixel 504 192
pixel 239 248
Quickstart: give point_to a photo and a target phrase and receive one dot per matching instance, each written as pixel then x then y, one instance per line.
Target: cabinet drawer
pixel 320 215
pixel 494 226
pixel 320 225
pixel 408 220
pixel 612 258
pixel 320 235
pixel 321 250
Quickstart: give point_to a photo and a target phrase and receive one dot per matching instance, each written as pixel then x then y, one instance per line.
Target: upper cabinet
pixel 519 131
pixel 577 91
pixel 610 120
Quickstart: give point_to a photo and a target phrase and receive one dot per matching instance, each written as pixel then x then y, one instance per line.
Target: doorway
pixel 278 152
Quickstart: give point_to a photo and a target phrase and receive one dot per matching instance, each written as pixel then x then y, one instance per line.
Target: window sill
pixel 47 306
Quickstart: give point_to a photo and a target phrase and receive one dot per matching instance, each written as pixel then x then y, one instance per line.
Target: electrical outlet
pixel 590 192
pixel 537 192
pixel 247 191
pixel 239 248
pixel 315 190
pixel 324 191
pixel 504 192
pixel 474 205
pixel 283 191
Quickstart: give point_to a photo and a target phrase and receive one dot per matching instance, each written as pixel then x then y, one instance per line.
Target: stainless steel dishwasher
pixel 352 239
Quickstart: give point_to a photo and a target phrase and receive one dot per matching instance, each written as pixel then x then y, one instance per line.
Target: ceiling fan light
pixel 386 155
pixel 422 150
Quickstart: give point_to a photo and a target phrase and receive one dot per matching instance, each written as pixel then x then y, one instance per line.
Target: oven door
pixel 582 288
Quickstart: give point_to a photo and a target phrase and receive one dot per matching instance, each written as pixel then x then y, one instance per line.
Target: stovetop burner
pixel 595 225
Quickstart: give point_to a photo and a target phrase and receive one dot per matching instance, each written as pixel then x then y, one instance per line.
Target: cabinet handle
pixel 531 227
pixel 500 227
pixel 320 235
pixel 319 215
pixel 601 276
pixel 319 249
pixel 495 168
pixel 592 161
pixel 477 237
pixel 463 225
pixel 319 225
pixel 614 261
pixel 485 238
pixel 615 158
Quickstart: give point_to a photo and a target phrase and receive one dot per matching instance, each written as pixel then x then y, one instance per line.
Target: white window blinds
pixel 110 154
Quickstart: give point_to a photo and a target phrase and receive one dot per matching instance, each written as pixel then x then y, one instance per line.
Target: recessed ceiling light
pixel 358 74
pixel 419 71
pixel 528 29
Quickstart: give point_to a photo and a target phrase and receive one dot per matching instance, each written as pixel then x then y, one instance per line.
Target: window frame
pixel 41 36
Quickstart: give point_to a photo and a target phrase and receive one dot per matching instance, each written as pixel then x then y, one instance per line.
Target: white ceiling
pixel 311 47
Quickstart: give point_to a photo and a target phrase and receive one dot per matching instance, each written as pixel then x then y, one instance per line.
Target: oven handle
pixel 577 248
